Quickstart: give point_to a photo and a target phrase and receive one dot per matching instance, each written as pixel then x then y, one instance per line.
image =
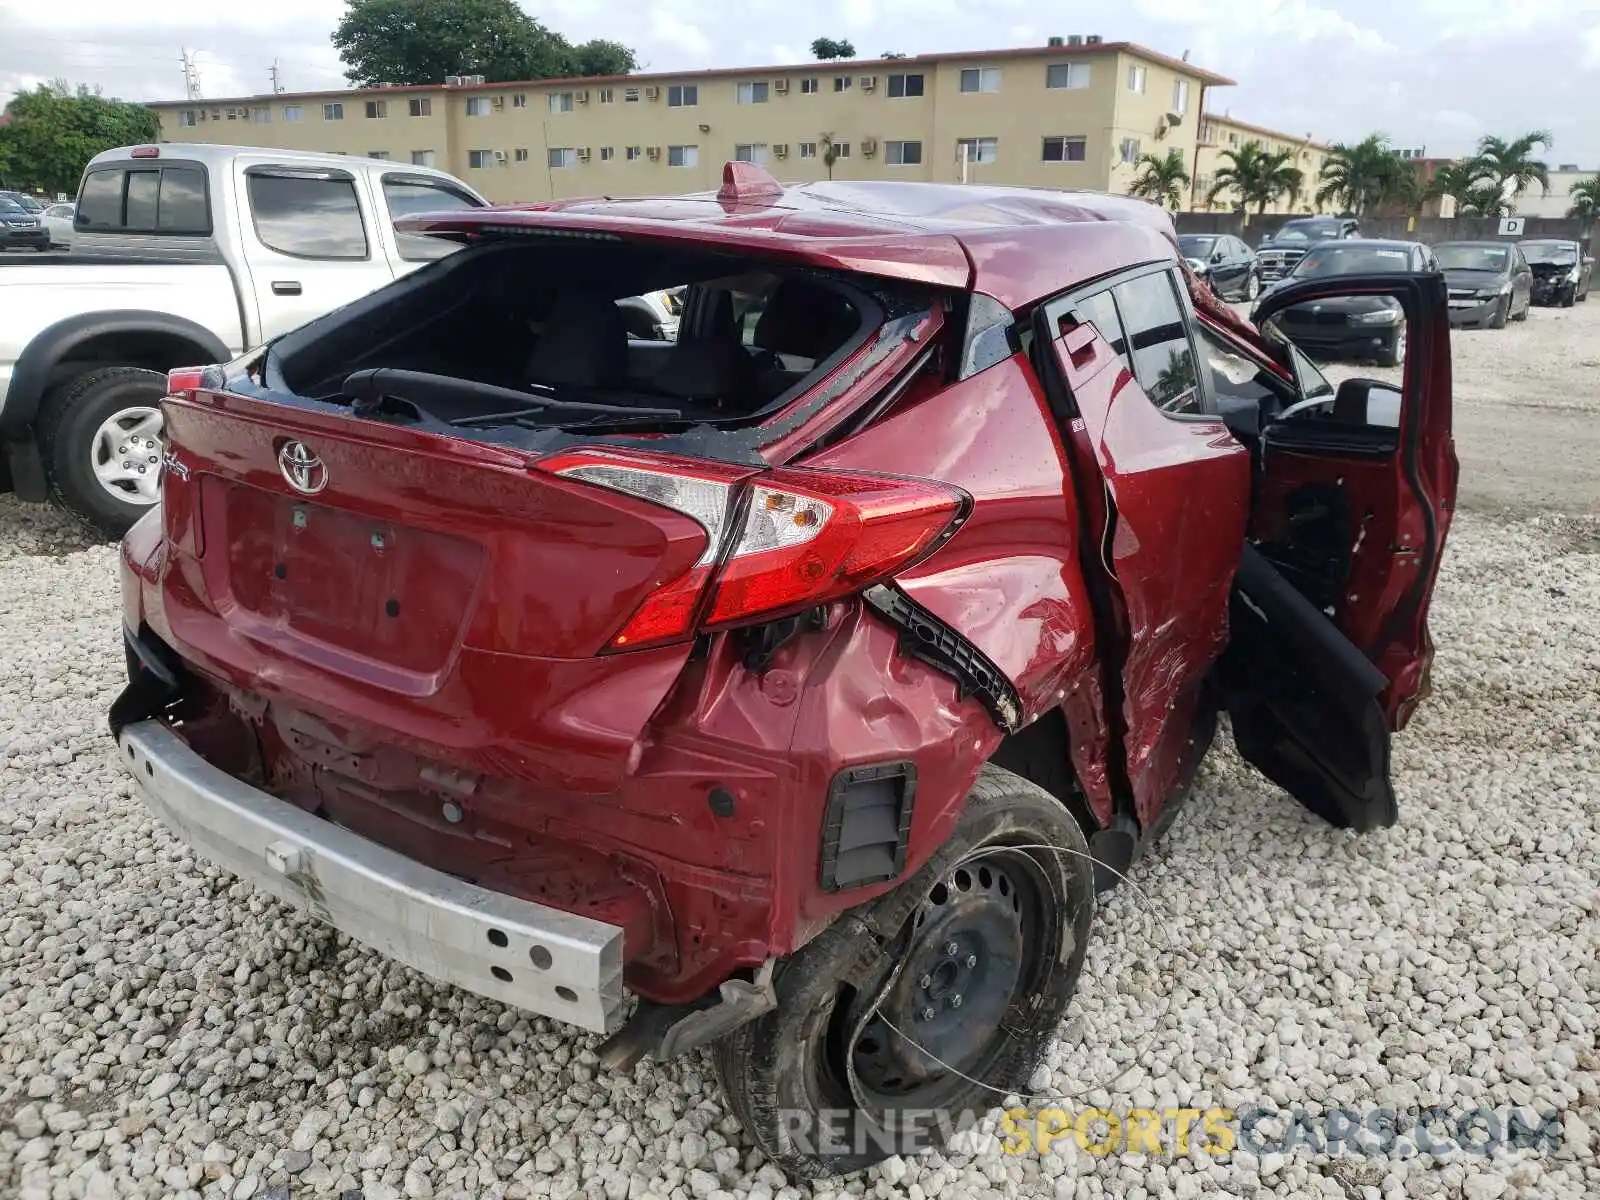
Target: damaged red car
pixel 791 687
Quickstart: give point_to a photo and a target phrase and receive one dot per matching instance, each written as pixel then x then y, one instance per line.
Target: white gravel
pixel 165 1031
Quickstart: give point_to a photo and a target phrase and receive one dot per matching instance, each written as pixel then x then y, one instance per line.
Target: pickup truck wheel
pixel 943 994
pixel 102 439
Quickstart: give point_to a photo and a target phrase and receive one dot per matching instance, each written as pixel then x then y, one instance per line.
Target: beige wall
pixel 1220 134
pixel 1020 115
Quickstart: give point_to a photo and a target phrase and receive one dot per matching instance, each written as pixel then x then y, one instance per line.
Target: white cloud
pixel 679 35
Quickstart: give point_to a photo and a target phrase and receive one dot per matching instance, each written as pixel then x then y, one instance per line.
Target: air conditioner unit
pixel 1075 39
pixel 500 157
pixel 868 82
pixel 780 150
pixel 1094 39
pixel 869 146
pixel 583 154
pixel 452 81
pixel 499 103
pixel 652 93
pixel 780 86
pixel 652 152
pixel 1174 120
pixel 472 80
pixel 581 97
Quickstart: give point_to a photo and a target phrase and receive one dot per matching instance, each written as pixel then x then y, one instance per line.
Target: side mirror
pixel 1216 256
pixel 1367 402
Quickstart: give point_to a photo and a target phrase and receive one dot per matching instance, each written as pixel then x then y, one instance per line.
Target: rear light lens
pixel 184 380
pixel 802 537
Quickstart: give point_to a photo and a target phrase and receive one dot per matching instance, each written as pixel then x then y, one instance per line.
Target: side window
pixel 1100 311
pixel 405 196
pixel 100 201
pixel 1233 374
pixel 1158 341
pixel 307 216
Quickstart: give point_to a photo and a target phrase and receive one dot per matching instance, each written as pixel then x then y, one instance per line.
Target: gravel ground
pixel 165 1031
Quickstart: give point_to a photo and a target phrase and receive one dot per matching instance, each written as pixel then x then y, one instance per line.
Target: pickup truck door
pixel 1329 649
pixel 1170 487
pixel 311 240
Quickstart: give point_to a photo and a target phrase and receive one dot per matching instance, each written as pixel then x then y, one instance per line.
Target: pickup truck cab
pixel 806 676
pixel 183 254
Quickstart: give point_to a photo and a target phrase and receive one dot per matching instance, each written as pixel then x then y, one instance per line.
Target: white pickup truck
pixel 183 255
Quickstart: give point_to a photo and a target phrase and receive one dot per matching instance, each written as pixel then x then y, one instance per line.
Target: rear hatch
pixel 432 586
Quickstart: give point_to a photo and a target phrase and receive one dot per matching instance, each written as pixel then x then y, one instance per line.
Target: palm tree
pixel 1458 180
pixel 1365 176
pixel 1511 162
pixel 1162 179
pixel 1585 199
pixel 1256 176
pixel 1487 199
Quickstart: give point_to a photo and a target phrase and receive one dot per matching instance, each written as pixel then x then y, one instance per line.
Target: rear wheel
pixel 960 974
pixel 1394 353
pixel 103 438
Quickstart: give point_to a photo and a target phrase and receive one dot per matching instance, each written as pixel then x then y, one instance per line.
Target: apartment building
pixel 1075 113
pixel 1222 133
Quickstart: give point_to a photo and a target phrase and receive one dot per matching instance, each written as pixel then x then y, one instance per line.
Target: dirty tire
pixel 780 1073
pixel 68 421
pixel 1501 311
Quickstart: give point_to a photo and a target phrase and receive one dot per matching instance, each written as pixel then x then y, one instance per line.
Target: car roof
pixel 1486 243
pixel 1386 243
pixel 1019 245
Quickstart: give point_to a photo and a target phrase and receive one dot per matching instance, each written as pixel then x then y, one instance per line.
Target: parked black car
pixel 1562 272
pixel 20 228
pixel 1360 327
pixel 1224 262
pixel 1281 250
pixel 1490 282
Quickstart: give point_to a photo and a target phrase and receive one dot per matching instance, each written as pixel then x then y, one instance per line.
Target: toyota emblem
pixel 303 470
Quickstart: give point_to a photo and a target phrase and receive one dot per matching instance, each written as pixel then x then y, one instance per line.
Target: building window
pixel 841 83
pixel 381 155
pixel 980 79
pixel 808 85
pixel 422 158
pixel 904 87
pixel 333 112
pixel 187 118
pixel 751 93
pixel 293 113
pixel 1130 150
pixel 420 106
pixel 377 110
pixel 559 157
pixel 630 95
pixel 902 154
pixel 980 149
pixel 607 95
pixel 560 102
pixel 751 152
pixel 685 95
pixel 607 153
pixel 808 149
pixel 520 154
pixel 1180 95
pixel 1067 75
pixel 683 156
pixel 520 100
pixel 634 153
pixel 841 150
pixel 1065 149
pixel 478 159
pixel 478 106
pixel 261 115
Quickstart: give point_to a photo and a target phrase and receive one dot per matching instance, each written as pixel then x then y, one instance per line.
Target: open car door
pixel 1329 649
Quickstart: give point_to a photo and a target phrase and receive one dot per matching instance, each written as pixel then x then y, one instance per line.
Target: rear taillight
pixel 777 542
pixel 183 380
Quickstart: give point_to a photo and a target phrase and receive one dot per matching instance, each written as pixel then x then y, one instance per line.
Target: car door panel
pixel 1176 494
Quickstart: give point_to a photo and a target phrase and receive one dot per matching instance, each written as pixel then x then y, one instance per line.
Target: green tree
pixel 829 48
pixel 1511 163
pixel 1256 176
pixel 1366 176
pixel 422 41
pixel 1486 199
pixel 1585 197
pixel 1457 180
pixel 54 130
pixel 1162 179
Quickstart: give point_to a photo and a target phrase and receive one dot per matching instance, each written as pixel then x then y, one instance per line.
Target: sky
pixel 1433 74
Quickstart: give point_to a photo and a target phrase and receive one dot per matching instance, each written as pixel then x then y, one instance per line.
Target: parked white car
pixel 58 220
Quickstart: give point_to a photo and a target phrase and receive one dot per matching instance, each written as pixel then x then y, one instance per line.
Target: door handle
pixel 285 287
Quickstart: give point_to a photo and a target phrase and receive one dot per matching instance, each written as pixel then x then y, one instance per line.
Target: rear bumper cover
pixel 541 959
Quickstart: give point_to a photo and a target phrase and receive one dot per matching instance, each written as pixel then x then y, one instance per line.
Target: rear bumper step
pixel 533 957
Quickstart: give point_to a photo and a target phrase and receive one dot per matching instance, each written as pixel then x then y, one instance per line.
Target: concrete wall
pixel 1429 230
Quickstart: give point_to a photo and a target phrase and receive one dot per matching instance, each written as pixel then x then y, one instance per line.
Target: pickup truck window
pixel 308 216
pixel 407 194
pixel 165 200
